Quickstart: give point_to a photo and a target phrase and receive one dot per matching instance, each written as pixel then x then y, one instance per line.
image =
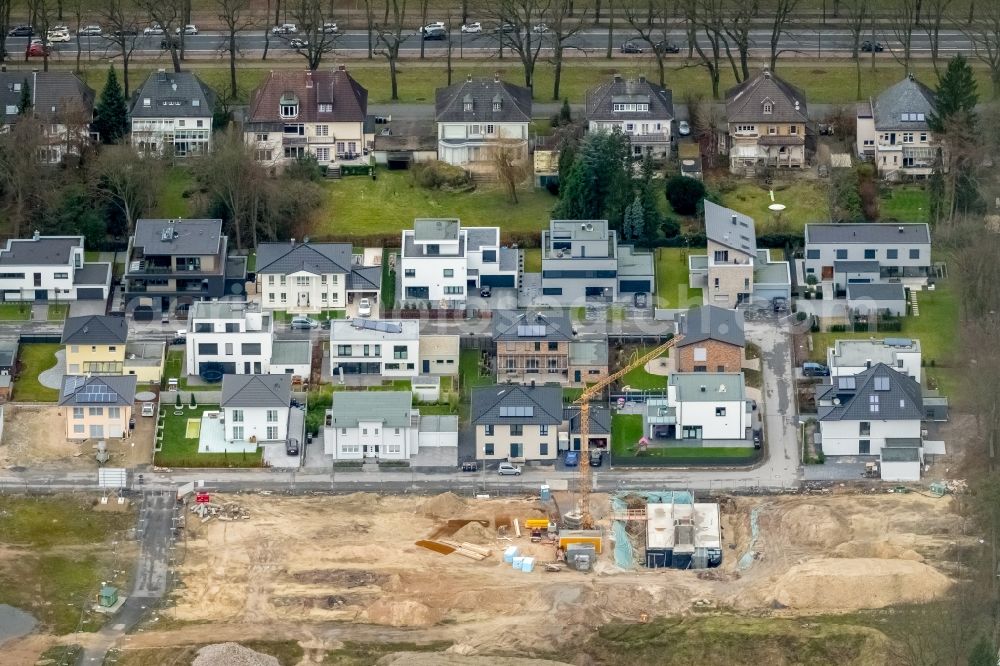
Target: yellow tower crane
pixel 590 392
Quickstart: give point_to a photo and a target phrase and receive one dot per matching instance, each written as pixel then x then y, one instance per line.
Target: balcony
pixel 289 140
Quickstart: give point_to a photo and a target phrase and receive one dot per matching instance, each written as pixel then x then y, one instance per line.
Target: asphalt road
pixel 806 42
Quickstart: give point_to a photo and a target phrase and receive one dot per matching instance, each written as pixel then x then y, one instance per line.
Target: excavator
pixel 594 391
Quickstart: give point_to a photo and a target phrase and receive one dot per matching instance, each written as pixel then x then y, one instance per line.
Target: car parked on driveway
pixel 779 304
pixel 486 291
pixel 810 369
pixel 303 323
pixel 508 469
pixel 641 299
pixel 365 307
pixel 630 47
pixel 596 457
pixel 572 459
pixel 684 128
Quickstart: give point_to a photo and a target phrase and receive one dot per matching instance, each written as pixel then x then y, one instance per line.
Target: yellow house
pixel 95 345
pixel 97 407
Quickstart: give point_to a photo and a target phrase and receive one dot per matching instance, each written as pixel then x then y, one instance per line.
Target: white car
pixel 506 469
pixel 298 43
pixel 91 30
pixel 683 128
pixel 472 28
pixel 540 28
pixel 155 29
pixel 148 409
pixel 364 308
pixel 330 28
pixel 434 25
pixel 188 30
pixel 284 29
pixel 57 36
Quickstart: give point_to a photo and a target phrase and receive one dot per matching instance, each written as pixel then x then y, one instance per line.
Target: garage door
pixel 114 430
pixel 497 280
pixel 632 286
pixel 90 294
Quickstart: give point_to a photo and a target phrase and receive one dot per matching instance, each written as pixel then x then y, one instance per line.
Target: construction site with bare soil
pixel 478 577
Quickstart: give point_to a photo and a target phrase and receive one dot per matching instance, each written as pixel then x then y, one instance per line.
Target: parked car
pixel 365 307
pixel 472 28
pixel 433 25
pixel 640 299
pixel 506 27
pixel 38 50
pixel 303 323
pixel 91 30
pixel 540 29
pixel 330 28
pixel 168 42
pixel 21 31
pixel 508 469
pixel 572 459
pixel 155 29
pixel 297 43
pixel 869 46
pixel 684 128
pixel 435 34
pixel 630 47
pixel 664 46
pixel 810 369
pixel 292 447
pixel 148 409
pixel 486 291
pixel 779 304
pixel 53 36
pixel 125 32
pixel 284 29
pixel 596 457
pixel 188 30
pixel 758 438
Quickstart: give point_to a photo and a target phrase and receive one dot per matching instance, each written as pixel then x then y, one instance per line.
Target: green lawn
pixel 639 379
pixel 626 431
pixel 58 311
pixel 91 256
pixel 468 370
pixel 33 358
pixel 388 281
pixel 805 201
pixel 904 203
pixel 15 311
pixel 179 451
pixel 672 290
pixel 532 259
pixel 283 317
pixel 359 208
pixel 171 202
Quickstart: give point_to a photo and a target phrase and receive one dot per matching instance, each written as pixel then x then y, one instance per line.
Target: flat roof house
pixel 851 357
pixel 377 347
pixel 231 337
pixel 180 262
pixel 582 262
pixel 98 406
pixel 517 423
pixel 700 406
pixel 838 255
pixel 51 268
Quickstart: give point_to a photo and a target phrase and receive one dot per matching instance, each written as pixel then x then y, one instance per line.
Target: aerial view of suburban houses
pixel 537 332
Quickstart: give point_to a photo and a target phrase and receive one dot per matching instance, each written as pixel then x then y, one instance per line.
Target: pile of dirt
pixel 883 550
pixel 445 505
pixel 814 525
pixel 347 578
pixel 402 613
pixel 232 654
pixel 839 583
pixel 474 532
pixel 446 659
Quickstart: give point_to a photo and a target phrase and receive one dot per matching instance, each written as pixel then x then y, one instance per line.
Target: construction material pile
pixel 232 654
pixel 463 548
pixel 228 511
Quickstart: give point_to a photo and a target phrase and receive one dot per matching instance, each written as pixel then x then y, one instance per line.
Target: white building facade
pixel 375 347
pixel 51 268
pixel 172 114
pixel 234 337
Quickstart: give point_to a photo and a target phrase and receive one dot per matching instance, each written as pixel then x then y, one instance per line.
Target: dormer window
pixel 289 106
pixel 326 108
pixel 497 103
pixel 768 107
pixel 467 103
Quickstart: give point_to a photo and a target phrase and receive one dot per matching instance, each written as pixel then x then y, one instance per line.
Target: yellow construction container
pixel 594 537
pixel 536 523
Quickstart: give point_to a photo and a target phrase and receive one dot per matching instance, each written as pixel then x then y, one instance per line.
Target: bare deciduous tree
pixel 128 181
pixel 121 21
pixel 509 164
pixel 5 7
pixel 235 16
pixel 857 19
pixel 168 14
pixel 903 21
pixel 230 173
pixel 984 33
pixel 741 15
pixel 561 29
pixel 316 40
pixel 21 170
pixel 652 29
pixel 781 19
pixel 937 13
pixel 523 16
pixel 390 35
pixel 708 16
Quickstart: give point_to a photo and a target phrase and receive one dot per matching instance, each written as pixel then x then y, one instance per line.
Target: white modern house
pixel 256 408
pixel 375 347
pixel 893 130
pixel 638 108
pixel 385 426
pixel 230 336
pixel 441 261
pixel 172 114
pixel 439 354
pixel 475 114
pixel 51 268
pixel 877 412
pixel 847 358
pixel 700 406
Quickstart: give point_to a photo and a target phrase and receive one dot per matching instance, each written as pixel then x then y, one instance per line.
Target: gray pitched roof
pixel 256 390
pixel 730 228
pixel 390 408
pixel 745 102
pixel 40 251
pixel 709 322
pixel 366 278
pixel 173 95
pixel 868 232
pixel 876 291
pixel 534 405
pixel 98 390
pixel 905 105
pixel 316 258
pixel 531 326
pixel 189 237
pixel 600 419
pixel 601 100
pixel 515 102
pixel 53 94
pixel 880 393
pixel 94 330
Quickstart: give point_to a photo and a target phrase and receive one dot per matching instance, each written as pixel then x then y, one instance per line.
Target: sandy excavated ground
pixel 36 436
pixel 304 562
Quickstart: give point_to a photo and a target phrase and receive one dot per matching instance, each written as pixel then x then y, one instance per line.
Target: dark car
pixel 21 31
pixel 292 447
pixel 640 299
pixel 872 47
pixel 664 46
pixel 758 438
pixel 630 47
pixel 435 34
pixel 779 304
pixel 596 457
pixel 125 32
pixel 506 27
pixel 810 369
pixel 486 291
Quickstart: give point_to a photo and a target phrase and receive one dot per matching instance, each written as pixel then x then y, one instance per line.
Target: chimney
pixel 341 68
pixel 36 235
pixel 642 79
pixel 901 229
pixel 618 76
pixel 309 79
pixel 293 242
pixel 734 219
pixel 468 78
pixel 910 76
pixel 496 76
pixel 796 105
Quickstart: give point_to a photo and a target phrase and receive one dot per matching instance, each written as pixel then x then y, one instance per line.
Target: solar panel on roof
pixel 378 325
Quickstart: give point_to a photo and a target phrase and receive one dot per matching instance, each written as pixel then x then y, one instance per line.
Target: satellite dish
pixel 776 207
